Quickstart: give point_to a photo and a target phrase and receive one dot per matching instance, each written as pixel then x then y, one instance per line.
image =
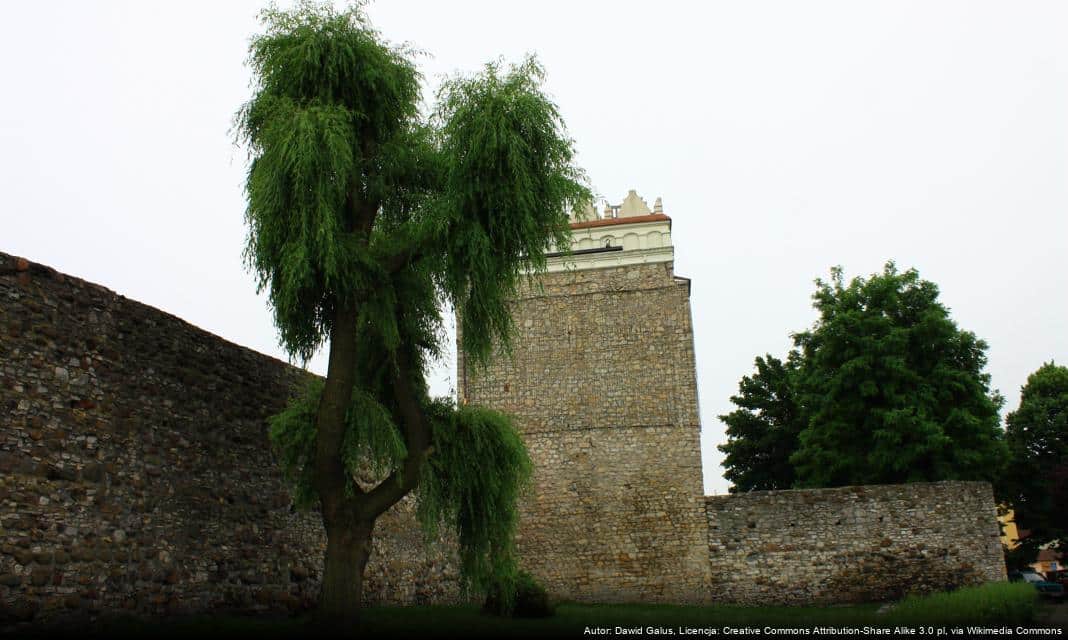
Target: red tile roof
pixel 604 222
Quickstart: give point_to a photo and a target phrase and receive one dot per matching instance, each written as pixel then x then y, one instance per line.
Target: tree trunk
pixel 333 405
pixel 348 548
pixel 348 529
pixel 348 544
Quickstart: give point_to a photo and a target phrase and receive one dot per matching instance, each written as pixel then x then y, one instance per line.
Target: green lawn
pixel 989 605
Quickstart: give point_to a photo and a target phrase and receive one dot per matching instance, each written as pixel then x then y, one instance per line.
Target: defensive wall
pixel 135 471
pixel 136 475
pixel 851 544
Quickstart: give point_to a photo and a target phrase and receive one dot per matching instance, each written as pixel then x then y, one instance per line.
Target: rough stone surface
pixel 852 544
pixel 136 474
pixel 602 386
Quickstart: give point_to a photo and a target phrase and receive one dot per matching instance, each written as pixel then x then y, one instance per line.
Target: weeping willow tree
pixel 365 218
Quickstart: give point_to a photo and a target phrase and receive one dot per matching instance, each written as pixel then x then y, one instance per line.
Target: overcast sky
pixel 784 137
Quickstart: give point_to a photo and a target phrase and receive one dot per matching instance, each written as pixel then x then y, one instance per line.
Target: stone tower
pixel 603 388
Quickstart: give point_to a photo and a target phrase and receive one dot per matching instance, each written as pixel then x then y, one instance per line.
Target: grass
pixel 994 604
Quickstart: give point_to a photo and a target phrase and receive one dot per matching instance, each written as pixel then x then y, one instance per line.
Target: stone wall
pixel 602 386
pixel 135 472
pixel 851 544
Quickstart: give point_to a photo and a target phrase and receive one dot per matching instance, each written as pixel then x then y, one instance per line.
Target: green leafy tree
pixel 893 391
pixel 762 433
pixel 884 388
pixel 1036 480
pixel 364 219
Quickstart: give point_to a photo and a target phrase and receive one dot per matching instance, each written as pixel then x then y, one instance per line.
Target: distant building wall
pixel 851 544
pixel 136 474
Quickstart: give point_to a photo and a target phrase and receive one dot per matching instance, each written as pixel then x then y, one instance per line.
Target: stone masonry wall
pixel 851 544
pixel 136 476
pixel 602 385
pixel 135 471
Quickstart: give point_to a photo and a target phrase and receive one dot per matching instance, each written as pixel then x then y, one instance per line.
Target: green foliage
pixel 472 484
pixel 372 444
pixel 529 599
pixel 330 95
pixel 479 192
pixel 292 435
pixel 762 433
pixel 893 390
pixel 509 184
pixel 1019 557
pixel 1036 481
pixel 884 388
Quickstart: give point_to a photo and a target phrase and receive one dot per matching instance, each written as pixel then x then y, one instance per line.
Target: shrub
pixel 528 599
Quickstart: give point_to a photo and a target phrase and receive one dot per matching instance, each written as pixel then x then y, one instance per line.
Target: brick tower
pixel 603 388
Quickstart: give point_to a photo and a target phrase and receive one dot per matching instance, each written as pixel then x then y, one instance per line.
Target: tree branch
pixel 412 253
pixel 417 438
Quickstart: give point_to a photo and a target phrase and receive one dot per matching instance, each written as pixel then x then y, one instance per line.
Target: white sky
pixel 785 137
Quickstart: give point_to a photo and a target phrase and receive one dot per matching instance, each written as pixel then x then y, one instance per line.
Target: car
pixel 1060 577
pixel 1045 588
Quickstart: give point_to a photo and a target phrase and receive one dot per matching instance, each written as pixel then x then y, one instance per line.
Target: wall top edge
pixel 857 489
